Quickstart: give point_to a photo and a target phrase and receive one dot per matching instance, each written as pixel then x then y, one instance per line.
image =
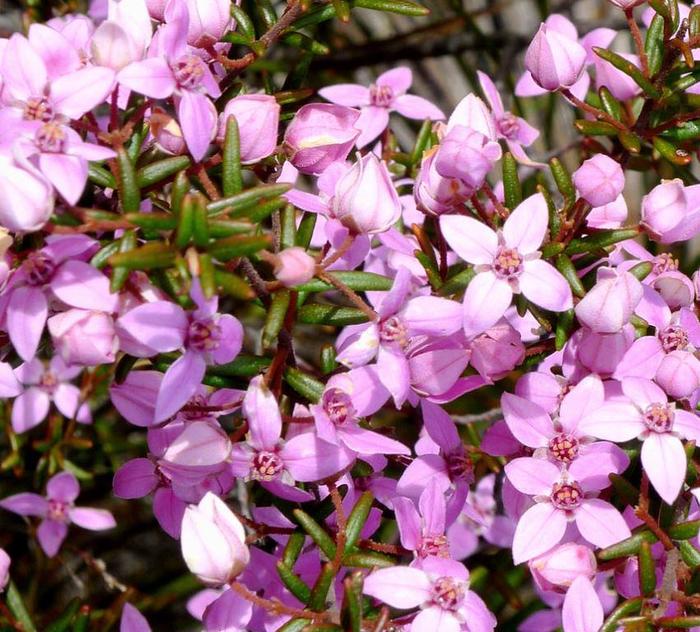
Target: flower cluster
pixel 359 380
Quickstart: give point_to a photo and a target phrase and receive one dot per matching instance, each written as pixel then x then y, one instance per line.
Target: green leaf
pixel 295 585
pixel 317 533
pixel 200 220
pixel 238 204
pixel 305 230
pixel 157 171
pixel 148 257
pixel 610 104
pixel 625 609
pixel 629 69
pixel 152 221
pixel 422 141
pixel 242 366
pixel 129 192
pixel 82 621
pixel 317 314
pixel 511 182
pixel 16 605
pixel 677 622
pixel 304 384
pixel 595 128
pixel 562 179
pixel 274 320
pixel 654 45
pixel 647 570
pixel 328 363
pixel 61 623
pixel 670 152
pixel 566 267
pixel 458 282
pixel 684 131
pixel 288 226
pixel 317 601
pixel 628 547
pixel 304 42
pixel 294 546
pixel 690 555
pixel 351 613
pixel 101 258
pixel 630 141
pixel 342 9
pixel 565 324
pixel 642 270
pixel 237 246
pixel 206 275
pixel 693 21
pixel 231 175
pixel 121 273
pixel 244 24
pixel 101 177
pixel 233 285
pixel 430 268
pixel 601 239
pixel 402 7
pixel 368 559
pixel 185 222
pixel 180 188
pixel 358 281
pixel 294 625
pixel 357 519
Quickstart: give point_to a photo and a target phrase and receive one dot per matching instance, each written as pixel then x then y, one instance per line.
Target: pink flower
pixel 440 588
pixel 554 60
pixel 648 415
pixel 57 511
pixel 387 94
pixel 258 118
pixel 506 262
pixel 467 155
pixel 599 180
pixel 671 212
pixel 84 337
pixel 563 565
pixel 27 199
pixel 582 610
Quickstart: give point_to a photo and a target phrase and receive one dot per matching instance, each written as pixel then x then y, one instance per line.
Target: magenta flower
pixel 43 385
pixel 27 200
pixel 387 94
pixel 57 511
pixel 278 464
pixel 506 262
pixel 562 496
pixel 648 415
pixel 554 60
pixel 206 336
pixel 178 71
pixel 440 588
pixel 132 620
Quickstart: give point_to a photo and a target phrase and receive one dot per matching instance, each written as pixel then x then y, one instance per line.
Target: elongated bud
pixel 554 60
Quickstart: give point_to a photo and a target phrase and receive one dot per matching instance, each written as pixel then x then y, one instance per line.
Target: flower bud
pixel 562 565
pixel 554 60
pixel 293 266
pixel 365 199
pixel 679 374
pixel 209 20
pixel 167 132
pixel 599 180
pixel 156 9
pixel 4 569
pixel 497 351
pixel 320 134
pixel 213 541
pixel 434 194
pixel 84 337
pixel 671 212
pixel 112 47
pixel 467 155
pixel 608 306
pixel 258 117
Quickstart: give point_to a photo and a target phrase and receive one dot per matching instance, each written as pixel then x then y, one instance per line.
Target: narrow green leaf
pixel 288 227
pixel 180 188
pixel 101 257
pixel 63 621
pixel 627 547
pixel 82 621
pixel 305 230
pixel 146 257
pixel 317 314
pixel 693 21
pixel 569 272
pixel 422 141
pixel 610 104
pixel 677 622
pixel 565 324
pixel 625 609
pixel 670 152
pixel 458 282
pixel 244 24
pixel 294 625
pixel 351 613
pixel 647 570
pixel 157 171
pixel 357 519
pixel 403 7
pixel 368 559
pixel 219 228
pixel 342 9
pixel 355 280
pixel 642 270
pixel 233 285
pixel 629 69
pixel 152 221
pixel 16 605
pixel 684 131
pixel 101 177
pixel 128 186
pixel 430 268
pixel 562 178
pixel 244 201
pixel 237 246
pixel 304 42
pixel 654 44
pixel 684 530
pixel 274 320
pixel 328 363
pixel 627 492
pixel 293 548
pixel 121 273
pixel 511 182
pixel 206 275
pixel 554 219
pixel 304 384
pixel 630 141
pixel 595 128
pixel 317 533
pixel 552 249
pixel 690 555
pixel 242 366
pixel 231 175
pixel 185 222
pixel 601 239
pixel 319 593
pixel 200 220
pixel 295 585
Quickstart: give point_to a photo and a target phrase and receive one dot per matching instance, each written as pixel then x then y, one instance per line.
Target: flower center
pixel 434 546
pixel 39 267
pixel 58 511
pixel 563 447
pixel 266 466
pixel 50 138
pixel 509 126
pixel 508 263
pixel 381 96
pixel 659 418
pixel 188 72
pixel 48 382
pixel 38 110
pixel 393 330
pixel 674 338
pixel 448 593
pixel 665 262
pixel 338 406
pixel 204 335
pixel 566 495
pixel 459 466
pixel 196 408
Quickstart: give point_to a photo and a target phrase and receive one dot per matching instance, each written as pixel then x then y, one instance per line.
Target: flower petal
pixel 664 461
pixel 472 240
pixel 486 300
pixel 539 529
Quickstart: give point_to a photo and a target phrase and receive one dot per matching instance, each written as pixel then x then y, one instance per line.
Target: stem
pixel 277 607
pixel 638 44
pixel 642 512
pixel 598 114
pixel 339 252
pixel 348 293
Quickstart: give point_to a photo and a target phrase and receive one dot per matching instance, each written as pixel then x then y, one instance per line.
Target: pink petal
pixel 435 618
pixel 394 373
pixel 9 384
pixel 161 325
pixel 80 285
pixel 180 383
pixel 63 487
pixel 51 535
pixel 432 315
pixel 201 444
pixel 135 479
pixel 309 459
pixel 93 519
pixel 432 508
pixel 132 620
pixel 469 238
pixel 398 79
pixel 439 426
pixel 168 510
pixel 349 94
pixel 582 611
pixel 539 529
pixel 79 92
pixel 198 120
pixel 23 71
pixel 399 587
pixel 642 359
pixel 526 226
pixel 151 77
pixel 68 174
pixel 664 461
pixel 414 107
pixel 408 522
pixel 643 392
pixel 486 300
pixel 59 56
pixel 416 476
pixel 262 411
pixel 491 93
pixel 532 476
pixel 368 442
pixel 372 121
pixel 529 423
pixel 587 396
pixel 26 504
pixel 600 523
pixel 687 424
pixel 614 421
pixel 29 409
pixel 26 317
pixel 544 285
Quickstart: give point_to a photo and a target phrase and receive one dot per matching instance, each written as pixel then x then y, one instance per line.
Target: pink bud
pixel 608 306
pixel 112 47
pixel 554 60
pixel 167 132
pixel 4 569
pixel 320 134
pixel 467 155
pixel 434 194
pixel 258 117
pixel 27 198
pixel 293 266
pixel 213 541
pixel 209 20
pixel 156 8
pixel 679 374
pixel 84 337
pixel 671 212
pixel 599 180
pixel 365 199
pixel 562 565
pixel 497 351
pixel 473 113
